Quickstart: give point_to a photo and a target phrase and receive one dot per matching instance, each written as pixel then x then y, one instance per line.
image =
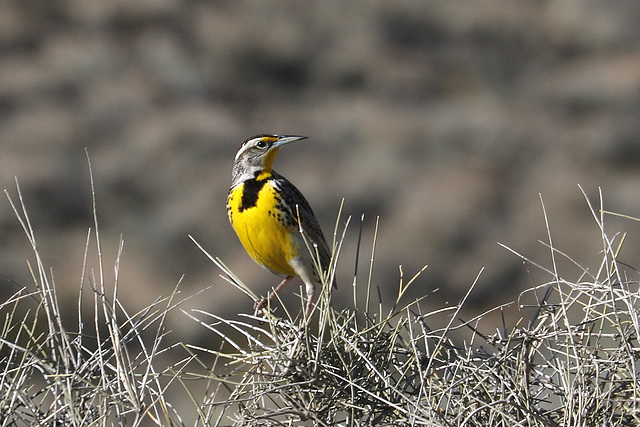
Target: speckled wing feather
pixel 291 197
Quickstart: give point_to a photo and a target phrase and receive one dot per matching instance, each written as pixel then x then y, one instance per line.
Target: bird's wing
pixel 298 207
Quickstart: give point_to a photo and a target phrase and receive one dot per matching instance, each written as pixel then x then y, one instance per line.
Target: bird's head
pixel 256 155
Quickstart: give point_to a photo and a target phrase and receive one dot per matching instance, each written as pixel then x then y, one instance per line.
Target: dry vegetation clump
pixel 571 361
pixel 105 371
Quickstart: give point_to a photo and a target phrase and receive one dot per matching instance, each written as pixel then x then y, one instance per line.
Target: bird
pixel 273 220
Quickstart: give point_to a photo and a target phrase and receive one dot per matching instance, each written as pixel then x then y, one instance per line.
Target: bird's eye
pixel 261 144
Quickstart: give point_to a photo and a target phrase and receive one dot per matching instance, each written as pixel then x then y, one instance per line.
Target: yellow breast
pixel 264 229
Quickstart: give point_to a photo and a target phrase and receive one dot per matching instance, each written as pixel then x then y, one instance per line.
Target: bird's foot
pixel 259 305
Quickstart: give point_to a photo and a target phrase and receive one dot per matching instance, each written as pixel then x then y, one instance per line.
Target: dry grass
pixel 573 362
pixel 104 372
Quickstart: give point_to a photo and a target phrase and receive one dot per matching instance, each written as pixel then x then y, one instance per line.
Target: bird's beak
pixel 285 139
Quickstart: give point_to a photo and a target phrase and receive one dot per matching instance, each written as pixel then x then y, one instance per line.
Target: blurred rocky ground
pixel 445 119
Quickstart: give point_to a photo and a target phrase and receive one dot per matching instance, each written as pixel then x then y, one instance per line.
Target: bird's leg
pixel 260 304
pixel 311 292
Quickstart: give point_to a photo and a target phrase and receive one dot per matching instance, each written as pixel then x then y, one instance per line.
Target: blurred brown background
pixel 445 119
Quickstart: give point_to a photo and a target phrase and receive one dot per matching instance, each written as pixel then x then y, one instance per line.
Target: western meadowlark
pixel 272 218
